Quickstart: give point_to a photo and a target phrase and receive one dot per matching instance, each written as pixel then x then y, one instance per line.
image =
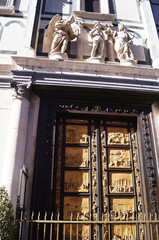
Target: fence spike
pixel 45 216
pixel 77 216
pixel 32 215
pixel 71 217
pixel 38 215
pixel 25 215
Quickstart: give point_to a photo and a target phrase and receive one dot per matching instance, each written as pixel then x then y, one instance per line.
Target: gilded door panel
pixel 76 206
pixel 117 136
pixel 76 134
pixel 120 182
pixel 119 158
pixel 76 181
pixel 76 157
pixel 123 231
pixel 122 208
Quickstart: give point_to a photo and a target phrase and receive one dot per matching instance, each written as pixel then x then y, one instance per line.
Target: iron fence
pixel 43 226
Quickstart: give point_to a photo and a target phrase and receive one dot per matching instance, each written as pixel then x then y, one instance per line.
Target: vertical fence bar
pixel 44 227
pixel 64 231
pixel 150 224
pixel 77 227
pixel 38 225
pixel 51 226
pixel 57 231
pixel 31 226
pixel 103 231
pixel 71 227
pixel 96 232
pixel 157 232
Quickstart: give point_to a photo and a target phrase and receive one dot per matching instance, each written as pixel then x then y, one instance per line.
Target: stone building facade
pixel 79 116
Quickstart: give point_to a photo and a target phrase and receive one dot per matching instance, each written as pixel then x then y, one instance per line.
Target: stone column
pixel 104 6
pixel 15 151
pixel 151 32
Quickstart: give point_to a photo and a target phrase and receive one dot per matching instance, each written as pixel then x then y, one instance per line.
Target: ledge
pixel 49 74
pixel 83 67
pixel 9 10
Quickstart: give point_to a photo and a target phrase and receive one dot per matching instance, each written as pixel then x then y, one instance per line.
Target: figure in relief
pixel 60 33
pixel 122 46
pixel 97 37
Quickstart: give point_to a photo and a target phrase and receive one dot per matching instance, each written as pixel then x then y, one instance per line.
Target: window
pixel 155 10
pixel 6 3
pixel 92 5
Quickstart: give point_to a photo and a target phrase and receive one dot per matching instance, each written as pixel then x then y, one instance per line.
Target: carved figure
pixel 60 33
pixel 115 237
pixel 122 45
pixel 97 37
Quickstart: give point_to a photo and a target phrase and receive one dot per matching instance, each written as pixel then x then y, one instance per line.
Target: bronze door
pixel 97 177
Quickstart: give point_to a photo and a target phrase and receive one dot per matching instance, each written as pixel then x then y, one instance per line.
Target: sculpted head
pixel 121 27
pixel 97 25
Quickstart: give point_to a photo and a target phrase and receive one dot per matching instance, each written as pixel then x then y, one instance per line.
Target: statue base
pixel 95 60
pixel 128 62
pixel 58 56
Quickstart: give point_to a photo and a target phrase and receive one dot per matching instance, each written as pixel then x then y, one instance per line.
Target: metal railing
pixel 50 227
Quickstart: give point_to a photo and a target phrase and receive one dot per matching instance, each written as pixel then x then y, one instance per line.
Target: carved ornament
pixel 22 90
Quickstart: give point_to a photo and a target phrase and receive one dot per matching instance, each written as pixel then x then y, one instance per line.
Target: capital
pixel 22 90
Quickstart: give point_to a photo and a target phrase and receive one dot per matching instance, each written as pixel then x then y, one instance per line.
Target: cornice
pixel 83 67
pixel 88 81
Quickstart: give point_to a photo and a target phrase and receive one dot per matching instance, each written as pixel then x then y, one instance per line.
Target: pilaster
pixel 151 32
pixel 29 32
pixel 15 152
pixel 104 6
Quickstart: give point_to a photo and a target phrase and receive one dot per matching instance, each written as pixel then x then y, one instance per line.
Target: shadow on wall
pixel 54 7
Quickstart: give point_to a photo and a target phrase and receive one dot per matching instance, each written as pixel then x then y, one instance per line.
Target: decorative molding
pixel 149 164
pixel 7 10
pixel 21 90
pixel 107 109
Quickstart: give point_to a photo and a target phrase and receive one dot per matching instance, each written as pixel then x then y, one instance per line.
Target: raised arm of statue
pixel 122 42
pixel 60 33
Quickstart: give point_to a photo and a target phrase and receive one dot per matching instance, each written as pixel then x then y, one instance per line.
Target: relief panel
pixel 120 183
pixel 77 207
pixel 76 134
pixel 76 181
pixel 76 157
pixel 117 136
pixel 123 232
pixel 119 158
pixel 122 208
